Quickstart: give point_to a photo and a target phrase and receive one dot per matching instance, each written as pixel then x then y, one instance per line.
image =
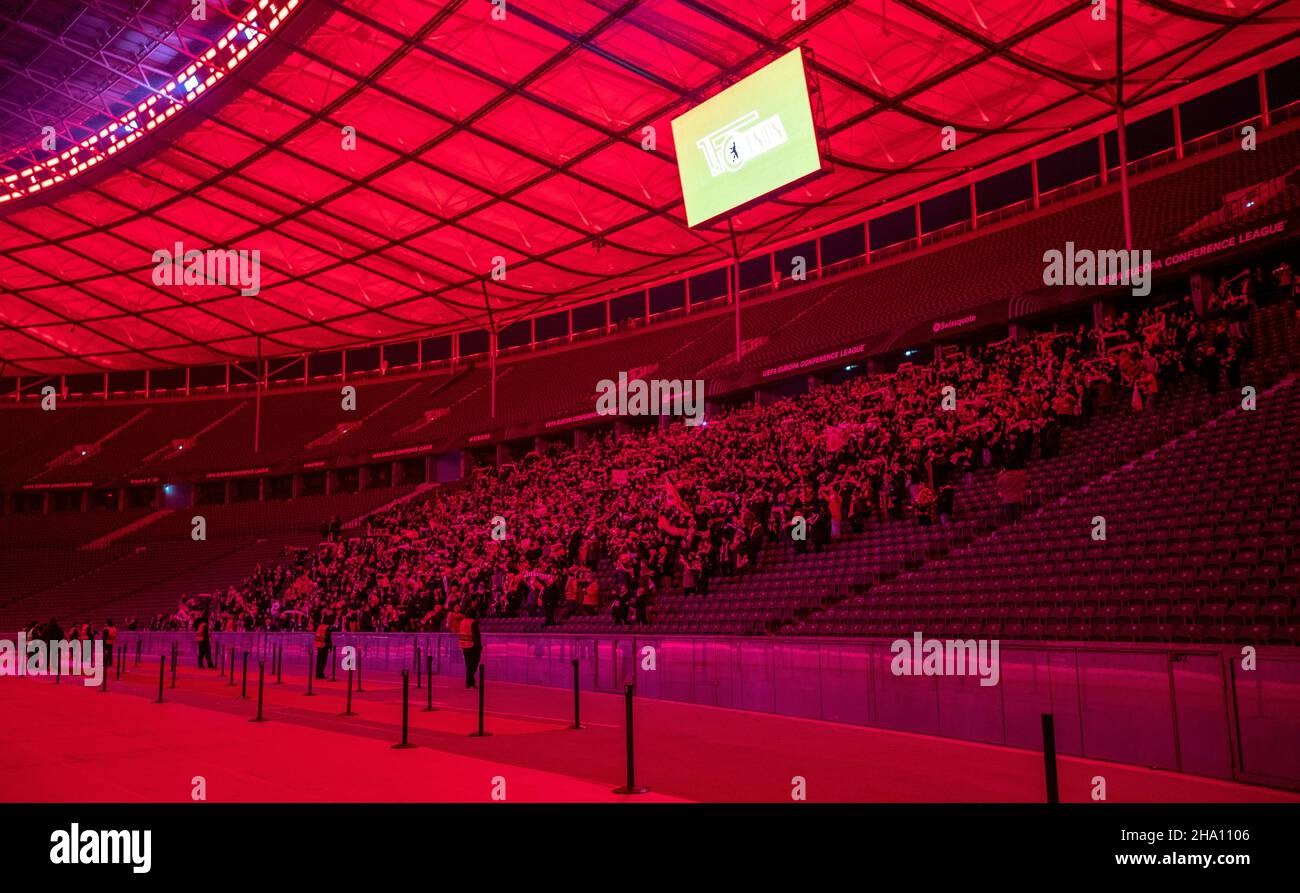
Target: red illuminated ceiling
pixel 522 138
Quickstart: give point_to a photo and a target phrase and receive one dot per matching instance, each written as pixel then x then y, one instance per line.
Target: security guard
pixel 324 642
pixel 203 636
pixel 471 645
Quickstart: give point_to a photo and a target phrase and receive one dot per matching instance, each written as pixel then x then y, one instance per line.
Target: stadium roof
pixel 478 138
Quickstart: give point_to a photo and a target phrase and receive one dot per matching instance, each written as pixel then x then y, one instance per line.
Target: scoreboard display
pixel 751 139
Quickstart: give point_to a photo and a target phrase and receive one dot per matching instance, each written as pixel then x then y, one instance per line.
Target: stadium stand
pixel 390 579
pixel 66 471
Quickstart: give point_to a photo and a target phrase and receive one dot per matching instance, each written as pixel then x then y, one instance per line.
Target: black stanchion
pixel 221 659
pixel 348 711
pixel 279 664
pixel 577 723
pixel 481 696
pixel 334 665
pixel 631 786
pixel 243 689
pixel 139 644
pixel 162 671
pixel 418 682
pixel 406 708
pixel 103 680
pixel 117 667
pixel 1049 758
pixel 231 655
pixel 261 667
pixel 175 655
pixel 359 688
pixel 311 672
pixel 428 689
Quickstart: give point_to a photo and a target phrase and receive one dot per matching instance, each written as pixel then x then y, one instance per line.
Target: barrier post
pixel 221 659
pixel 481 696
pixel 279 664
pixel 162 670
pixel 231 654
pixel 348 711
pixel 243 687
pixel 261 668
pixel 406 705
pixel 311 671
pixel 175 655
pixel 334 664
pixel 631 786
pixel 418 676
pixel 1049 758
pixel 103 680
pixel 577 723
pixel 359 688
pixel 117 667
pixel 139 644
pixel 428 689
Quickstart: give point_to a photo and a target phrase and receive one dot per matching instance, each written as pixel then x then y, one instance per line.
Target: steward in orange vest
pixel 324 642
pixel 466 632
pixel 471 645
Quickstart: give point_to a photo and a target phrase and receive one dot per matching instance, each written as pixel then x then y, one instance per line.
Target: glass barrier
pixel 1192 709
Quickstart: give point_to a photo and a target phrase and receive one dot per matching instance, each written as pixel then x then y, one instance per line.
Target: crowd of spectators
pixel 682 505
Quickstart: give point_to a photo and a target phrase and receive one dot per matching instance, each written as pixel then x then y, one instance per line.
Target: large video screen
pixel 752 138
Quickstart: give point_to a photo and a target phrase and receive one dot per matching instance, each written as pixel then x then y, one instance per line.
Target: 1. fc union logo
pixel 729 147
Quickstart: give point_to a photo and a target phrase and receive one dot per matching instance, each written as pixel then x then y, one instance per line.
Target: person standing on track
pixel 471 645
pixel 203 636
pixel 324 642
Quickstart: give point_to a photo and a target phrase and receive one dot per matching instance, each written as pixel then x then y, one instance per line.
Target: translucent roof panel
pixel 383 158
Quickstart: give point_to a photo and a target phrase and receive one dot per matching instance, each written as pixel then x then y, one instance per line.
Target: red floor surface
pixel 73 743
